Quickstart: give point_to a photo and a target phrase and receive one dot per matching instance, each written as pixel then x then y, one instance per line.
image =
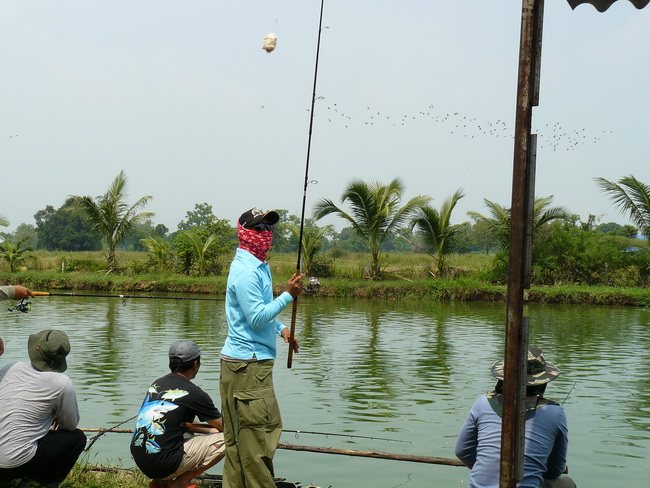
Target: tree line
pixel 565 249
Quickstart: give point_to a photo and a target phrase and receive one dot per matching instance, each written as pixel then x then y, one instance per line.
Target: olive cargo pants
pixel 251 423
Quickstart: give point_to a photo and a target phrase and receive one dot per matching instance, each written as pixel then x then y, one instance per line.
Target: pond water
pixel 406 371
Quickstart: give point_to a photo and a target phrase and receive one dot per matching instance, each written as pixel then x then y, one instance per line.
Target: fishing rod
pixel 292 335
pixel 328 434
pixel 198 427
pixel 25 306
pixel 568 394
pixel 104 431
pixel 123 297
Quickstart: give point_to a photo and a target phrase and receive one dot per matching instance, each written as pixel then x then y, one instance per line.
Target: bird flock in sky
pixel 551 136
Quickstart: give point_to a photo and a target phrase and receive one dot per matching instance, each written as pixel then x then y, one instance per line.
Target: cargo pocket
pixel 256 408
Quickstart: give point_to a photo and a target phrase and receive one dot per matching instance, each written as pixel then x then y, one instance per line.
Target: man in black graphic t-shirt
pixel 173 401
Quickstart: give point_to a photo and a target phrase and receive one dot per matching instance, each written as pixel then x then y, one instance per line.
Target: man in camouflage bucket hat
pixel 479 442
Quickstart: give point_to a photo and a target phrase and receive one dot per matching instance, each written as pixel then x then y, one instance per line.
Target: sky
pixel 182 97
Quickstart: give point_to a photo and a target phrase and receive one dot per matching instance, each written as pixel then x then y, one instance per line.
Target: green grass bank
pixel 459 289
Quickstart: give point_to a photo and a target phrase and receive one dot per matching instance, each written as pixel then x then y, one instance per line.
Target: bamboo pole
pixel 344 452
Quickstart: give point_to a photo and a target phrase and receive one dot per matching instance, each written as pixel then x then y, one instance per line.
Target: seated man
pixel 16 292
pixel 39 415
pixel 479 442
pixel 171 403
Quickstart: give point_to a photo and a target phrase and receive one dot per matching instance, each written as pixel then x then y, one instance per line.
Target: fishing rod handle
pixel 292 332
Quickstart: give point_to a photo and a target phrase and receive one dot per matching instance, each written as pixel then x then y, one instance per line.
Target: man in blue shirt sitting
pixel 479 442
pixel 251 415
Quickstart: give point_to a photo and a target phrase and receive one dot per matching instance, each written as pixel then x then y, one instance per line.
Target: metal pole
pixel 512 434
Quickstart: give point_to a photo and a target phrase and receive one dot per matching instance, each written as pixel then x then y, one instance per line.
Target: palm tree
pixel 111 216
pixel 16 255
pixel 312 242
pixel 376 213
pixel 3 221
pixel 499 222
pixel 630 196
pixel 158 250
pixel 436 229
pixel 199 247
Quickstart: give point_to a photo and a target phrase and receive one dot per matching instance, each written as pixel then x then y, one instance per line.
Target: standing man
pixel 16 292
pixel 171 403
pixel 479 442
pixel 252 423
pixel 39 439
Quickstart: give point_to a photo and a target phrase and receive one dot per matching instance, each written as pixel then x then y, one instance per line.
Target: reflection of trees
pixel 373 373
pixel 104 365
pixel 604 351
pixel 432 363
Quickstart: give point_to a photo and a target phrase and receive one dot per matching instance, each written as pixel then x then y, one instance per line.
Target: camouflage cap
pixel 539 371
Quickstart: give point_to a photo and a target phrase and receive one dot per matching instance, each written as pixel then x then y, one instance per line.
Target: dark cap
pixel 538 370
pixel 48 349
pixel 185 350
pixel 254 216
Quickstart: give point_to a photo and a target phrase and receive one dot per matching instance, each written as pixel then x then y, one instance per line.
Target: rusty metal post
pixel 512 435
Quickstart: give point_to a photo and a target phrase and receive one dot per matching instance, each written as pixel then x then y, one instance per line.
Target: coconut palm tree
pixel 158 251
pixel 499 221
pixel 375 214
pixel 436 229
pixel 111 216
pixel 199 247
pixel 3 221
pixel 312 242
pixel 632 197
pixel 16 255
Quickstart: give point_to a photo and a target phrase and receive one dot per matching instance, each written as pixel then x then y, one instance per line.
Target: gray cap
pixel 185 350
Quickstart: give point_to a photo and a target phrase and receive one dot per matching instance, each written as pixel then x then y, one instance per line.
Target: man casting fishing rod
pixel 251 415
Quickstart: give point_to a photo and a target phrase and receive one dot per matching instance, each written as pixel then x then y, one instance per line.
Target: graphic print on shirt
pixel 150 421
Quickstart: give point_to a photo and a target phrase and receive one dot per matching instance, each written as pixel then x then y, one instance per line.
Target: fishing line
pixel 304 193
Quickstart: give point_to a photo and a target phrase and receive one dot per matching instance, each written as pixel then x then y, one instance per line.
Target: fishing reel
pixel 21 306
pixel 312 285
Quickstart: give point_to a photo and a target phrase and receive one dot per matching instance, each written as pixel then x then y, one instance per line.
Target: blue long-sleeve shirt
pixel 251 310
pixel 479 445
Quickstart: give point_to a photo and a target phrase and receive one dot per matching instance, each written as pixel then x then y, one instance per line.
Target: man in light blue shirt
pixel 479 443
pixel 251 415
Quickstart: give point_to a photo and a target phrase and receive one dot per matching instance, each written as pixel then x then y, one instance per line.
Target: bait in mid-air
pixel 269 42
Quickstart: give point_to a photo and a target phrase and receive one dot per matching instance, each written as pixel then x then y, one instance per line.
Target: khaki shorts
pixel 200 451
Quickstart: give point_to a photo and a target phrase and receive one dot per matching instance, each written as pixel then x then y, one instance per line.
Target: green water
pixel 399 370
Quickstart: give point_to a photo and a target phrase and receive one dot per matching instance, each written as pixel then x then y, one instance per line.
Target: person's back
pixel 38 435
pixel 29 400
pixel 479 444
pixel 546 436
pixel 158 444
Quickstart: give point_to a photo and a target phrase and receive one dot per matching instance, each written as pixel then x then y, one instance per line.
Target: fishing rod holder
pixel 22 306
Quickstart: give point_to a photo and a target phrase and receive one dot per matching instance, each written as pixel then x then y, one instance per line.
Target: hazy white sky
pixel 182 97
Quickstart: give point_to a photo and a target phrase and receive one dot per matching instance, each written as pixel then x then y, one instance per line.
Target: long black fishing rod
pixel 294 310
pixel 98 295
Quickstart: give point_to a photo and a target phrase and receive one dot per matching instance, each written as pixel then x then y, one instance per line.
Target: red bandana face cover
pixel 256 243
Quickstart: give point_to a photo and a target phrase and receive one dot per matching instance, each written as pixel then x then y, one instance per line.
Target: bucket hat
pixel 48 349
pixel 538 370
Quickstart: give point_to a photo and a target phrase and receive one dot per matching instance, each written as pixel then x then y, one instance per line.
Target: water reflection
pixel 410 370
